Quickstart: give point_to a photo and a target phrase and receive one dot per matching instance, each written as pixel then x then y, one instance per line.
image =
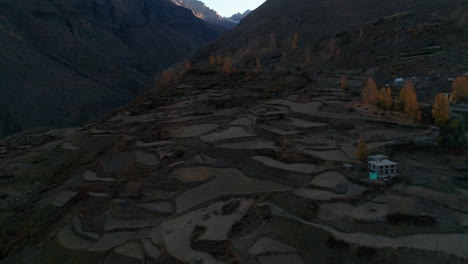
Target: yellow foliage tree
pixel 362 151
pixel 167 78
pixel 295 41
pixel 385 98
pixel 219 60
pixel 441 110
pixel 460 88
pixel 212 60
pixel 258 64
pixel 370 93
pixel 227 66
pixel 344 82
pixel 410 101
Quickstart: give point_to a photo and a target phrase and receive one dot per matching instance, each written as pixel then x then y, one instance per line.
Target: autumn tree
pixel 258 64
pixel 385 98
pixel 187 66
pixel 410 101
pixel 344 82
pixel 167 78
pixel 370 93
pixel 212 60
pixel 219 60
pixel 295 41
pixel 227 66
pixel 441 110
pixel 362 151
pixel 460 88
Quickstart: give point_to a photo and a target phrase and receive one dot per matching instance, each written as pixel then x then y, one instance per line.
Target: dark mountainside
pixel 326 39
pixel 209 15
pixel 251 154
pixel 66 62
pixel 238 17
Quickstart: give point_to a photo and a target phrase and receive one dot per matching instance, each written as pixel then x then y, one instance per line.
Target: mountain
pixel 66 62
pixel 236 18
pixel 327 39
pixel 209 15
pixel 256 154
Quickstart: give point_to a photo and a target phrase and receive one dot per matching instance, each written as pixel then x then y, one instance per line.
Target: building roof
pixel 383 163
pixel 377 157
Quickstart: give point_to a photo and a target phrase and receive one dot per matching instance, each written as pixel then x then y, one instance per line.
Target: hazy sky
pixel 228 8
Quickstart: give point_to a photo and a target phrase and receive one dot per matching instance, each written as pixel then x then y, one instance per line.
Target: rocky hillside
pixel 236 18
pixel 251 155
pixel 65 62
pixel 209 15
pixel 422 40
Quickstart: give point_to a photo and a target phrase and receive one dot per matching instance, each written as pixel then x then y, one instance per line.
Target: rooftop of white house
pixel 382 163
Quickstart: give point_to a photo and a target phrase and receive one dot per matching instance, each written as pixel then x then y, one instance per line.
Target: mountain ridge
pixel 202 11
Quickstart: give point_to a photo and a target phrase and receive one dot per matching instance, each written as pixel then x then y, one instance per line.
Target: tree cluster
pixel 407 99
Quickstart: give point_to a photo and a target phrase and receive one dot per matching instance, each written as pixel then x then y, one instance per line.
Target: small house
pixel 382 166
pixel 398 82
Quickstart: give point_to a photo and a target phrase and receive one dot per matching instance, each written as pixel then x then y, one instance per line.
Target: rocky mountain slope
pixel 238 17
pixel 426 40
pixel 65 62
pixel 209 15
pixel 249 157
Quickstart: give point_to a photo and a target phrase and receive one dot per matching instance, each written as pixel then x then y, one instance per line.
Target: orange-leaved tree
pixel 362 151
pixel 227 66
pixel 370 93
pixel 344 82
pixel 258 63
pixel 385 98
pixel 219 60
pixel 212 60
pixel 441 110
pixel 410 102
pixel 460 88
pixel 295 41
pixel 187 66
pixel 167 78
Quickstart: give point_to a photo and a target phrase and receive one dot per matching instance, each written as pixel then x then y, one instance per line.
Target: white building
pixel 382 166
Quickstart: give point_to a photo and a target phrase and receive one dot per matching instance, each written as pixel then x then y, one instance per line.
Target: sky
pixel 228 8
